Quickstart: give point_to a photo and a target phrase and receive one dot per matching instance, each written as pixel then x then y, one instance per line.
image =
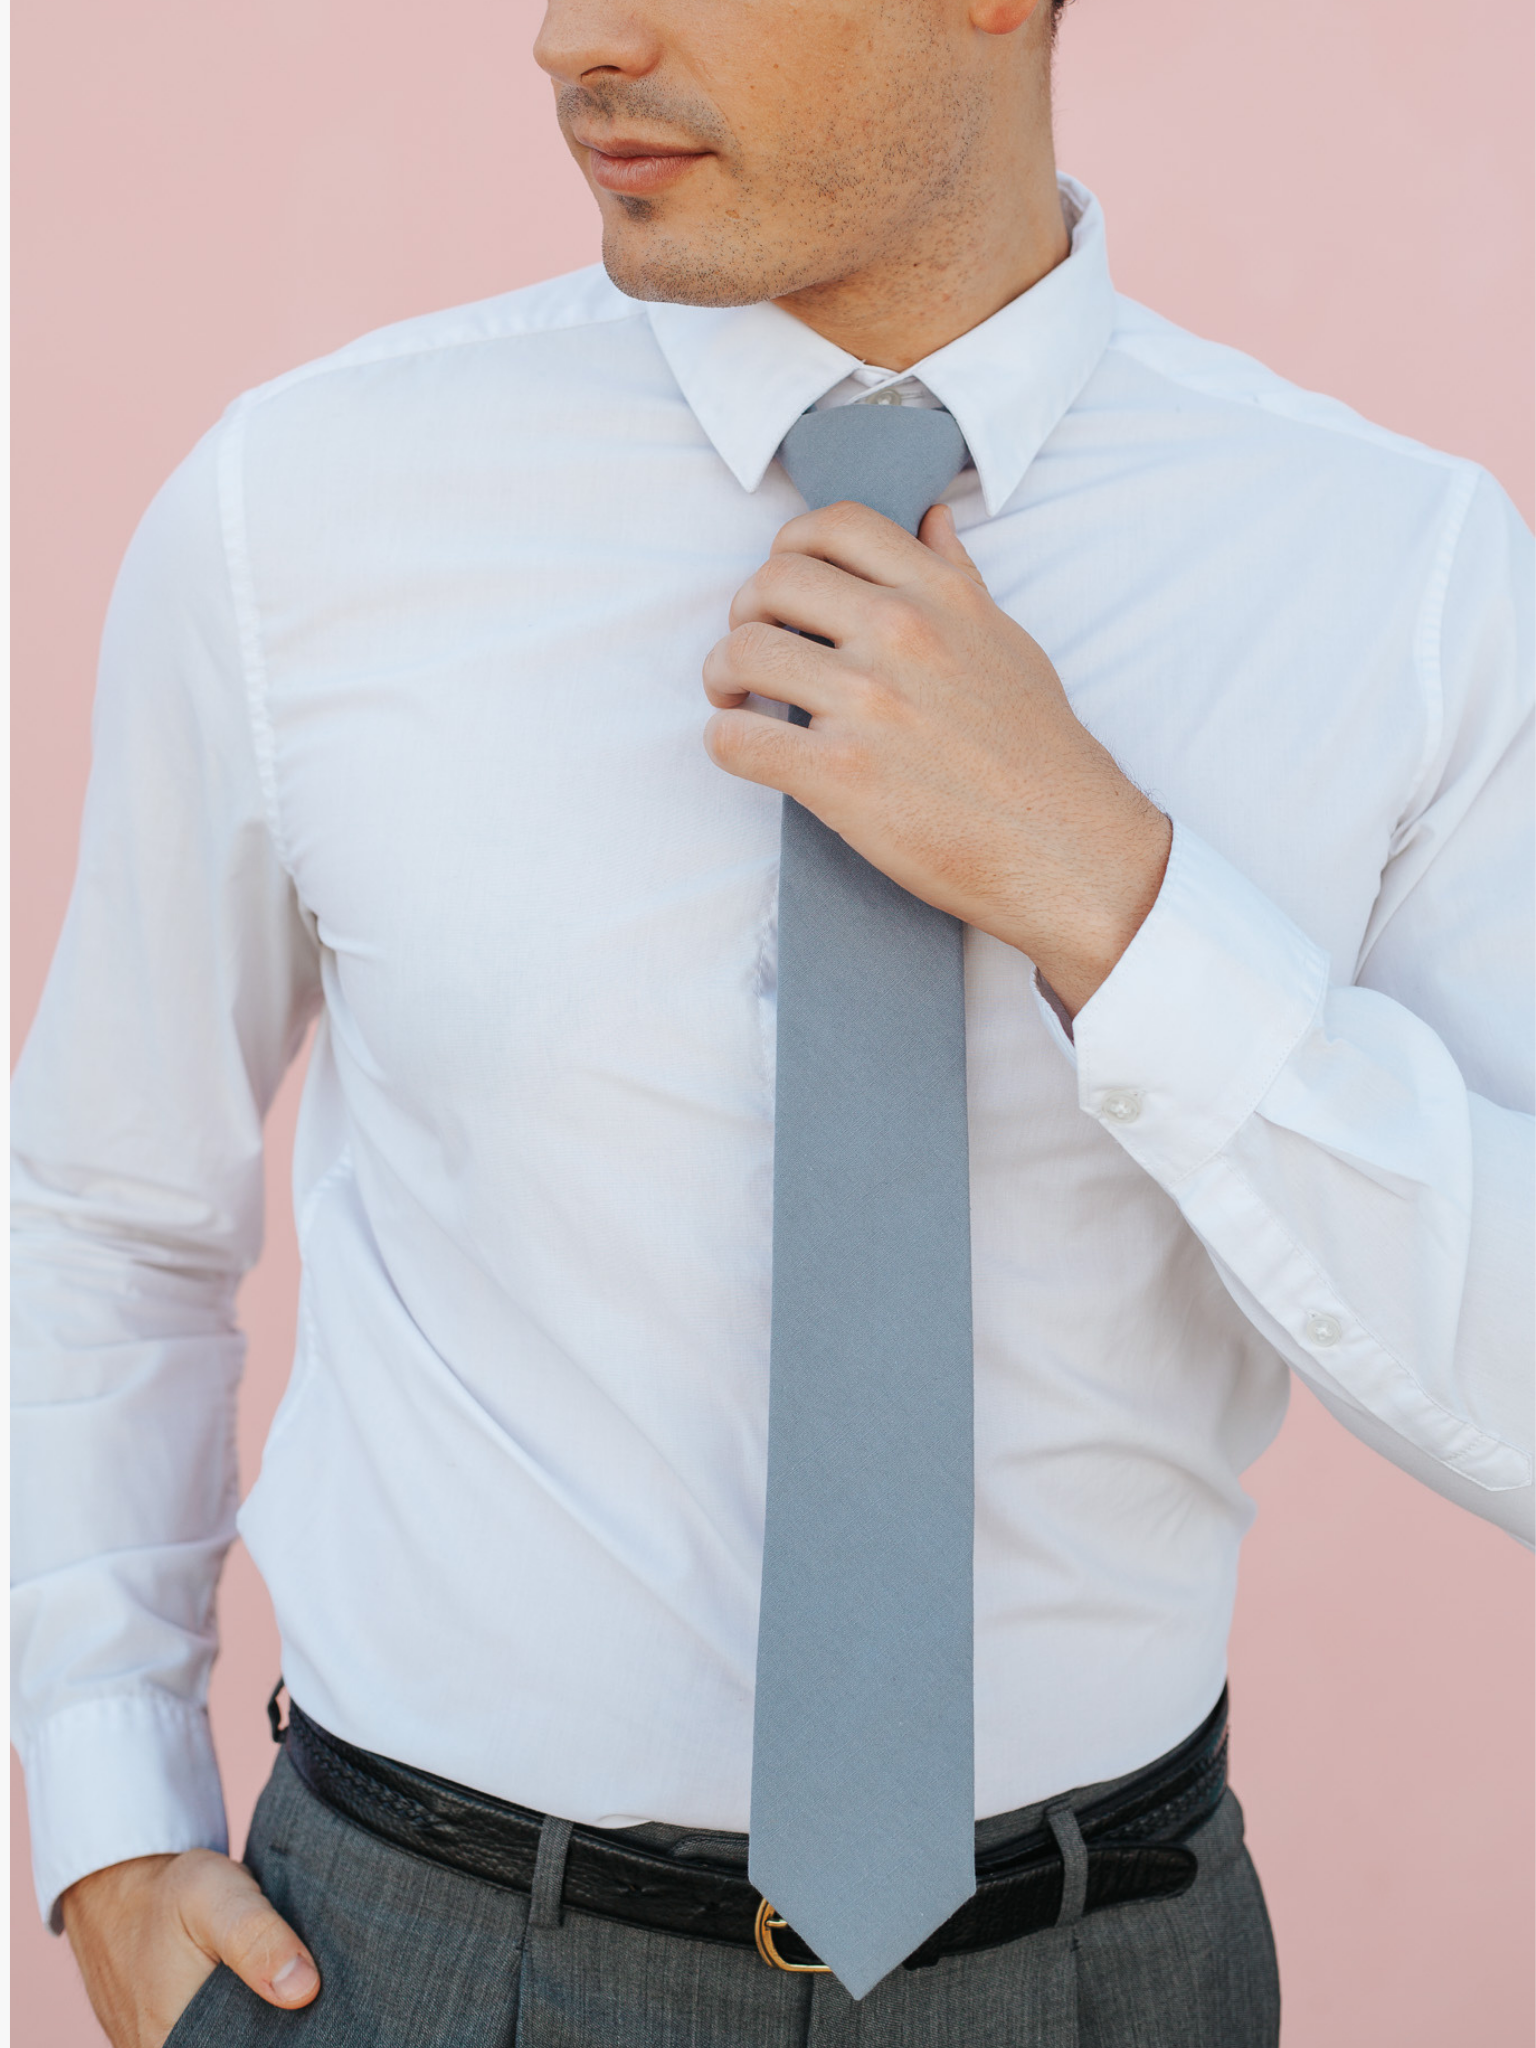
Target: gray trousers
pixel 415 1956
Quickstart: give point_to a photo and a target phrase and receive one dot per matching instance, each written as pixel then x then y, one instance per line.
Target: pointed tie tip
pixel 861 1949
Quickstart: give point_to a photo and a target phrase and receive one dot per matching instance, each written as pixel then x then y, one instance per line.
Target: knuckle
pixel 719 742
pixel 194 1881
pixel 717 663
pixel 751 596
pixel 253 1934
pixel 756 646
pixel 815 533
pixel 871 698
pixel 907 629
pixel 730 740
pixel 845 515
pixel 847 766
pixel 778 575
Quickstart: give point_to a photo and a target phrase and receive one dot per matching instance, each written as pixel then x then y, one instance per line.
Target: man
pixel 1198 705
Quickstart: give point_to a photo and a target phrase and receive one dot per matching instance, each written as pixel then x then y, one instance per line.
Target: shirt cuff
pixel 1177 1048
pixel 114 1778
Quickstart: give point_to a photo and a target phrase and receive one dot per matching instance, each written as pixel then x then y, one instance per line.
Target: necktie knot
pixel 897 459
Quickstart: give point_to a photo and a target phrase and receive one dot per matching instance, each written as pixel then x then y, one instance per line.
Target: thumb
pixel 938 533
pixel 225 1913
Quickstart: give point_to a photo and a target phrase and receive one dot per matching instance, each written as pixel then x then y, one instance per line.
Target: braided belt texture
pixel 1133 1837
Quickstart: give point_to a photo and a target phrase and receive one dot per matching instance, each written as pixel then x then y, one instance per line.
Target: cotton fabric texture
pixel 398 728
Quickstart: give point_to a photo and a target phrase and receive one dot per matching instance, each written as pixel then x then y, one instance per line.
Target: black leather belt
pixel 1133 1837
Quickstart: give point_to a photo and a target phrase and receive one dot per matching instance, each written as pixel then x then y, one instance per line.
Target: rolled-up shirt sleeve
pixel 183 981
pixel 1357 1158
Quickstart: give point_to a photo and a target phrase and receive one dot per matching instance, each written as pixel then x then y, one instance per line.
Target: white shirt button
pixel 1121 1105
pixel 1323 1330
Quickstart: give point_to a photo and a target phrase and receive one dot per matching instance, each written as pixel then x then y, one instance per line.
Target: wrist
pixel 109 1884
pixel 1079 945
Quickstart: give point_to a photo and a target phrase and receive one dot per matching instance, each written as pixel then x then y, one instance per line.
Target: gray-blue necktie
pixel 863 1784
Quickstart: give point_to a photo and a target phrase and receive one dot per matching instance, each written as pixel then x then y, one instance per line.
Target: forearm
pixel 124 1380
pixel 1366 1213
pixel 183 979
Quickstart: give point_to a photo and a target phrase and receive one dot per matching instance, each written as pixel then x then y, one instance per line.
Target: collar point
pixel 997 488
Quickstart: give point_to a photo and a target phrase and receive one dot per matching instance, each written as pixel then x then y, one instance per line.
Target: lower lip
pixel 639 173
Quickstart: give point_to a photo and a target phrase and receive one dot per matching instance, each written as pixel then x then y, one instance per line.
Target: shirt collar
pixel 748 372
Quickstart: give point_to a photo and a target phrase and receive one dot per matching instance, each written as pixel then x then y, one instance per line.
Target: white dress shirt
pixel 399 721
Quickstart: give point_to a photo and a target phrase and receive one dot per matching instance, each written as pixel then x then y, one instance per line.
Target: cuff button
pixel 1323 1330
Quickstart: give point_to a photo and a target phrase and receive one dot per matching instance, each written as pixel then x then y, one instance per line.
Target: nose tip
pixel 579 39
pixel 554 47
pixel 547 55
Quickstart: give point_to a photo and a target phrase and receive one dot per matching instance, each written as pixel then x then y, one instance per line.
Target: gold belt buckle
pixel 769 1923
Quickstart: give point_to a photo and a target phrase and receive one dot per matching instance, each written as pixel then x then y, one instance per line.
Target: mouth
pixel 631 166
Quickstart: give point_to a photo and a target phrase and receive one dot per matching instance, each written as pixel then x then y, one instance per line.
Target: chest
pixel 497 806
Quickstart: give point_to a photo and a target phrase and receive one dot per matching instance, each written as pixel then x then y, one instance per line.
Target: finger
pixel 758 749
pixel 225 1913
pixel 938 534
pixel 761 660
pixel 807 593
pixel 854 538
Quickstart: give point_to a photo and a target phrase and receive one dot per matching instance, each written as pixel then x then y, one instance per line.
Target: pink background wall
pixel 209 193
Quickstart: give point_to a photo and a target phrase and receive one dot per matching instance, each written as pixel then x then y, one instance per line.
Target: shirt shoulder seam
pixel 242 592
pixel 1345 423
pixel 391 345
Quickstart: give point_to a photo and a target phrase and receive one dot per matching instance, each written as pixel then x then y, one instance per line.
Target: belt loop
pixel 549 1873
pixel 1062 1822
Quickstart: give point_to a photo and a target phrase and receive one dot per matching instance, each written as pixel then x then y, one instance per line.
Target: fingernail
pixel 296 1979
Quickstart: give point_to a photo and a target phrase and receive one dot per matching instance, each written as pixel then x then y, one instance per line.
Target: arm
pixel 180 991
pixel 1356 1160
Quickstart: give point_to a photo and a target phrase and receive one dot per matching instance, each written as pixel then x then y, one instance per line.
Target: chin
pixel 644 263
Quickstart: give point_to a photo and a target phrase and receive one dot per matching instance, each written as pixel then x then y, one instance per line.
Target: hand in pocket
pixel 148 1933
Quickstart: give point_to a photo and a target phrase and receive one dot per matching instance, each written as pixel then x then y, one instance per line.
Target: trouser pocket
pixel 411 1955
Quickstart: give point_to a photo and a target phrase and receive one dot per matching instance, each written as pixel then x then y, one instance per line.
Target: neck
pixel 994 240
